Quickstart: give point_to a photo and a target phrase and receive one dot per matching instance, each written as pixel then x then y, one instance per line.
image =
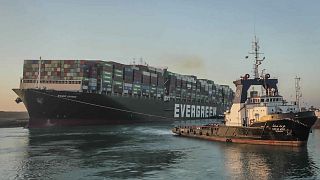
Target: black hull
pixel 288 132
pixel 65 108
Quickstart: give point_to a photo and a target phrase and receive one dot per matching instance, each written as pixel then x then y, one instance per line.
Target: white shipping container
pixel 153 75
pixel 151 68
pixel 146 73
pixel 117 83
pixel 107 64
pixel 118 71
pixel 135 67
pixel 107 73
pixel 158 70
pixel 92 84
pixel 127 84
pixel 93 80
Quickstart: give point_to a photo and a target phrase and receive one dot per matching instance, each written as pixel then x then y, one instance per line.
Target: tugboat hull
pixel 284 132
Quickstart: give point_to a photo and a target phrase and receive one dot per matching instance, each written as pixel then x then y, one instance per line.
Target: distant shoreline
pixel 10 119
pixel 1 111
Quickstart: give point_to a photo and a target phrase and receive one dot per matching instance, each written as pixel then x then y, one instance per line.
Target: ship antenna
pixel 264 81
pixel 298 90
pixel 39 74
pixel 256 53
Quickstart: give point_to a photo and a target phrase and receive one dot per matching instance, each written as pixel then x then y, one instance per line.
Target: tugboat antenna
pixel 298 90
pixel 256 53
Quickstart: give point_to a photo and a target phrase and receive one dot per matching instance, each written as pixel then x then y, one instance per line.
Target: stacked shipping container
pixel 137 80
pixel 109 77
pixel 55 69
pixel 106 76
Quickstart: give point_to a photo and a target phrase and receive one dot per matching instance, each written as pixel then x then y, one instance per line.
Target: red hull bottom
pixel 247 141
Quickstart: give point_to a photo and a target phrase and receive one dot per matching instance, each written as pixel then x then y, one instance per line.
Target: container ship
pixel 257 117
pixel 97 92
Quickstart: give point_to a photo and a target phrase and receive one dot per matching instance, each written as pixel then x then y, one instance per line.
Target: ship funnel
pixel 253 94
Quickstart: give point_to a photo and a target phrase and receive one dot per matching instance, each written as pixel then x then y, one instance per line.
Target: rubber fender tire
pixel 267 76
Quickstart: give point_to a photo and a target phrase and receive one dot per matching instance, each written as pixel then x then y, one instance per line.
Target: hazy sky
pixel 206 38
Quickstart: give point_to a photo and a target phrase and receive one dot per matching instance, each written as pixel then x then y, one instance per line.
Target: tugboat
pixel 260 118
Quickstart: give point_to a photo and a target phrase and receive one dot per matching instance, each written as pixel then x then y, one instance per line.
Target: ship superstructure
pixel 255 107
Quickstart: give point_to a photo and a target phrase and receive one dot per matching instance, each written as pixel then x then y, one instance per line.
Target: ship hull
pixel 283 132
pixel 65 108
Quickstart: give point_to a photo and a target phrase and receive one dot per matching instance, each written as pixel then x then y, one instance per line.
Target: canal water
pixel 148 151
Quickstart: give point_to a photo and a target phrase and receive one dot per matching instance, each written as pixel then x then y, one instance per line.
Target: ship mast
pixel 298 90
pixel 256 53
pixel 39 74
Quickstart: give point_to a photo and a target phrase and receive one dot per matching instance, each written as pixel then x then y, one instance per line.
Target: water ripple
pixel 146 152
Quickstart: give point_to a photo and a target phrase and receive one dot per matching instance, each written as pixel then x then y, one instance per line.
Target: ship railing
pixel 49 81
pixel 196 122
pixel 50 84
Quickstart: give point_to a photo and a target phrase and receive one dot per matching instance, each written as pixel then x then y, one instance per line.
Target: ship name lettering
pixel 192 111
pixel 278 128
pixel 66 96
pixel 74 97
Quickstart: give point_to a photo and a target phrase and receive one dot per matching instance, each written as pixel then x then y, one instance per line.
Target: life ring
pixel 247 76
pixel 267 76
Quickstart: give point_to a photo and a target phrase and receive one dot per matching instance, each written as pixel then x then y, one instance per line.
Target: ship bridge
pixel 266 100
pixel 244 84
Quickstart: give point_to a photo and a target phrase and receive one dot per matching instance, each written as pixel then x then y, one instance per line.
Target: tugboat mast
pixel 298 90
pixel 256 53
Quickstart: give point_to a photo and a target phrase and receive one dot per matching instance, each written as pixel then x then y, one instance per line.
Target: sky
pixel 209 39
